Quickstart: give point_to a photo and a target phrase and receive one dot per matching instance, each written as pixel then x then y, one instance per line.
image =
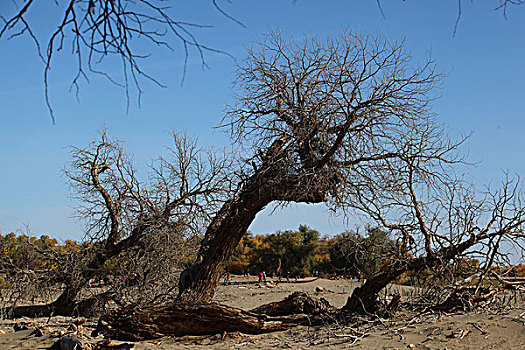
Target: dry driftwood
pixel 295 303
pixel 149 322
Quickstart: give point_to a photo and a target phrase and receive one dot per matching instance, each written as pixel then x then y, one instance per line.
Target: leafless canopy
pixel 347 121
pixel 318 118
pixel 140 231
pixel 348 109
pixel 185 187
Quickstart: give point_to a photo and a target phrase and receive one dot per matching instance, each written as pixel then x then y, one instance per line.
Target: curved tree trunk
pixel 198 283
pixel 364 299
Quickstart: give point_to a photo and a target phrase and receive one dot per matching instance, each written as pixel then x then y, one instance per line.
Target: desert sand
pixel 426 330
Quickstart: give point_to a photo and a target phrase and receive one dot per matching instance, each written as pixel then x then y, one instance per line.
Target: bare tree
pixel 346 122
pixel 318 117
pixel 439 221
pixel 124 215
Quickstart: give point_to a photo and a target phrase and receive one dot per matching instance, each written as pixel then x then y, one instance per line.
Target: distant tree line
pixel 304 251
pixel 300 252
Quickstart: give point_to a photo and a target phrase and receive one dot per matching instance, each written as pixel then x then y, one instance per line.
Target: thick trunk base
pixel 363 301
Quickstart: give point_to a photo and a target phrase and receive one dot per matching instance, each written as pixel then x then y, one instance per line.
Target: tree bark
pixel 270 182
pixel 364 299
pixel 141 323
pixel 199 282
pixel 296 303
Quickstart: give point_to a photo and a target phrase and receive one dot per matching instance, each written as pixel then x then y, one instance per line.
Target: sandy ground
pixel 476 330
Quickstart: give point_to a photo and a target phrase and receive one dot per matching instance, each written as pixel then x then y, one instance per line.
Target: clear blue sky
pixel 483 93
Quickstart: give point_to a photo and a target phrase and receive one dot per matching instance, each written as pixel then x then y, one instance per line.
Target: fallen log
pixel 295 303
pixel 138 323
